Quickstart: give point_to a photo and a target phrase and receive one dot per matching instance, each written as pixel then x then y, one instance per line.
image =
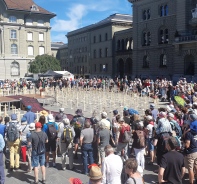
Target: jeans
pixel 87 154
pixel 14 151
pixel 2 173
pixel 139 153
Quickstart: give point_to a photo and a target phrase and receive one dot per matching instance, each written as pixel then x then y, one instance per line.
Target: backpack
pixel 12 133
pixel 127 135
pixel 175 127
pixel 165 145
pixel 141 139
pixel 52 132
pixel 41 146
pixel 67 135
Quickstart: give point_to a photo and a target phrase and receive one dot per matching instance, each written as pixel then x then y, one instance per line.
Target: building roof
pixel 118 18
pixel 26 5
pixel 56 45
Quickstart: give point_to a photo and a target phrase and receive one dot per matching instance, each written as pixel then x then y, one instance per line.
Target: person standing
pixel 111 167
pixel 2 173
pixel 38 139
pixel 2 127
pixel 51 129
pixel 13 131
pixel 30 116
pixel 154 111
pixel 172 167
pixel 86 139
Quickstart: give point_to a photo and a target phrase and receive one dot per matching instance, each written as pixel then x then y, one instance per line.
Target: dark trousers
pixel 95 152
pixel 2 173
pixel 87 156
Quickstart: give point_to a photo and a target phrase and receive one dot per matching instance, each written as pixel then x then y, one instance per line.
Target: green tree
pixel 44 63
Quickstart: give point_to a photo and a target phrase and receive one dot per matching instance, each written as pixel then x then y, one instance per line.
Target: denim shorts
pixel 150 144
pixel 37 160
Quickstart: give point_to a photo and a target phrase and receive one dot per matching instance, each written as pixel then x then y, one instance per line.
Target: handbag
pixel 112 142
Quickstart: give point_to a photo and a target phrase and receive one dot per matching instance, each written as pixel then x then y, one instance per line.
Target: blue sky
pixel 74 14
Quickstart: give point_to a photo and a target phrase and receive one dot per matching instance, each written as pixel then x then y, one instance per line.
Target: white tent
pixel 66 74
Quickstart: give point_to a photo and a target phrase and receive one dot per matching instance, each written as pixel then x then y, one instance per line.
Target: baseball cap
pixel 38 125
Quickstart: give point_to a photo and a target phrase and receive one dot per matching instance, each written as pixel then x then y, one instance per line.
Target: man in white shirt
pixel 104 120
pixel 111 167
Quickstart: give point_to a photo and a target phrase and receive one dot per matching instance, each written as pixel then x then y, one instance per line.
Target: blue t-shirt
pixel 2 130
pixel 193 142
pixel 45 127
pixel 31 116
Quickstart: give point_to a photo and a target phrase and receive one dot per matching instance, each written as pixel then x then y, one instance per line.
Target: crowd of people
pixel 112 150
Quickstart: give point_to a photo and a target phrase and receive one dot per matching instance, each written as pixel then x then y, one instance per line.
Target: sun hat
pixel 171 115
pixel 32 126
pixel 152 105
pixel 44 113
pixel 104 114
pixel 95 173
pixel 79 112
pixel 62 109
pixel 58 118
pixel 38 125
pixel 50 118
pixel 13 117
pixel 75 181
pixel 66 121
pixel 149 117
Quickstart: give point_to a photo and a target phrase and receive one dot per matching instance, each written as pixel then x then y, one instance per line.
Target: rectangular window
pixel 41 37
pixel 95 67
pixel 94 39
pixel 100 38
pixel 101 68
pixel 106 36
pixel 100 53
pixel 29 22
pixel 30 36
pixel 13 34
pixel 94 54
pixel 106 52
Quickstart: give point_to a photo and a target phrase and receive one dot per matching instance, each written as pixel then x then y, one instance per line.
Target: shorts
pixel 37 160
pixel 76 140
pixel 150 145
pixel 191 160
pixel 50 146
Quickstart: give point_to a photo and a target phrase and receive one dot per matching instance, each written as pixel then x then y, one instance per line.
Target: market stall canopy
pixel 66 74
pixel 50 73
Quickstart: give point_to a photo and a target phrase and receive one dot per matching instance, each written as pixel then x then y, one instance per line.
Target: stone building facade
pixel 164 35
pixel 91 49
pixel 24 34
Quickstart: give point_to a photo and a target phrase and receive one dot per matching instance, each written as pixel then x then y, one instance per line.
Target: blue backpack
pixel 175 127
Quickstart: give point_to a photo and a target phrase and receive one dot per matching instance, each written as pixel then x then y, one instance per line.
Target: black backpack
pixel 165 144
pixel 41 145
pixel 12 133
pixel 52 132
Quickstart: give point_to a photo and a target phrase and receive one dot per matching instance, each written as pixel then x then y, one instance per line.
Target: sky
pixel 75 14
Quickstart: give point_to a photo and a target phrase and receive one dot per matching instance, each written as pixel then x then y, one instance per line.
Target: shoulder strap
pixel 24 128
pixel 133 180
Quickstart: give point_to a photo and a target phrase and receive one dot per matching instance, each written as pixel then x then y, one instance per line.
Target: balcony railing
pixel 186 38
pixel 122 52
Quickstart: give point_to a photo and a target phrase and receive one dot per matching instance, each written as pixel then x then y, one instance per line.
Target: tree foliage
pixel 44 63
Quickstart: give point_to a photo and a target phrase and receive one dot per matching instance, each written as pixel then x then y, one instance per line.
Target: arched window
pixel 165 10
pixel 118 45
pixel 163 60
pixel 14 49
pixel 122 44
pixel 148 14
pixel 30 50
pixel 146 62
pixel 12 19
pixel 15 68
pixel 127 44
pixel 41 50
pixel 163 36
pixel 146 38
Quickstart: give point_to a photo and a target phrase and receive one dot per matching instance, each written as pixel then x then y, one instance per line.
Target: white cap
pixel 104 114
pixel 148 117
pixel 61 109
pixel 50 118
pixel 171 115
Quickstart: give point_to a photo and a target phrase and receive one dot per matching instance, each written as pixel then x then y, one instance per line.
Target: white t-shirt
pixel 150 131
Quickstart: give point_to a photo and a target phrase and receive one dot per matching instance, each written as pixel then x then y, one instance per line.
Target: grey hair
pixel 87 124
pixel 108 149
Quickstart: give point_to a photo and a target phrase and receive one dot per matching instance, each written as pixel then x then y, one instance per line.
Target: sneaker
pixel 54 165
pixel 64 168
pixel 47 164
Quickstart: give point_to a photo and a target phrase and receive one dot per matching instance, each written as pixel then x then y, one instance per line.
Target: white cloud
pixel 59 37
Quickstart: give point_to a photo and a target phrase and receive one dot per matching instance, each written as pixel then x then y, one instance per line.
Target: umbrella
pixel 133 111
pixel 179 100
